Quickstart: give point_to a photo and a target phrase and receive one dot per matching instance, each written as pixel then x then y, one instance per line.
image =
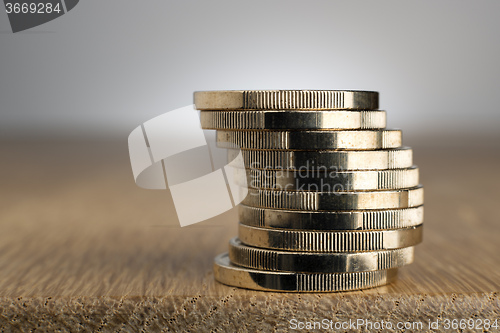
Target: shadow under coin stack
pixel 334 201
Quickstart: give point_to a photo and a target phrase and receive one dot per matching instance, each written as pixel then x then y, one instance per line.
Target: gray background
pixel 108 66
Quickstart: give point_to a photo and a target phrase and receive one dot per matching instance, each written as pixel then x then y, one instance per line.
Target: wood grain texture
pixel 83 249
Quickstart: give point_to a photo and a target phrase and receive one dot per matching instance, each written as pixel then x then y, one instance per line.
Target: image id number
pixel 472 324
pixel 32 8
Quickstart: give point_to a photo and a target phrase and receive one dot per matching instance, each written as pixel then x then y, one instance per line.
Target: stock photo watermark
pixel 24 15
pixel 411 326
pixel 306 178
pixel 171 151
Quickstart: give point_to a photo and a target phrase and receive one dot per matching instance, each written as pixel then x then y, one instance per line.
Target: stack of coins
pixel 334 201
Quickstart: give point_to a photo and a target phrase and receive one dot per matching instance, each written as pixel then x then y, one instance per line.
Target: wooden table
pixel 83 248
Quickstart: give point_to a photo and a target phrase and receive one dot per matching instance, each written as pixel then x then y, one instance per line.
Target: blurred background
pixel 108 66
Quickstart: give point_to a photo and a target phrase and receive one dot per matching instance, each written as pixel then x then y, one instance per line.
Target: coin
pixel 229 274
pixel 333 181
pixel 317 262
pixel 286 100
pixel 308 140
pixel 397 158
pixel 329 241
pixel 332 199
pixel 298 120
pixel 331 220
pixel 387 199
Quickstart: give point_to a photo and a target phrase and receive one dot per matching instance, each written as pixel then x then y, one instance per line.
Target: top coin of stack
pixel 334 201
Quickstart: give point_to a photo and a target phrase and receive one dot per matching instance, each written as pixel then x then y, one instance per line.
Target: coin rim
pixel 290 158
pixel 345 262
pixel 258 119
pixel 329 241
pixel 241 277
pixel 328 201
pixel 375 139
pixel 357 219
pixel 392 179
pixel 240 99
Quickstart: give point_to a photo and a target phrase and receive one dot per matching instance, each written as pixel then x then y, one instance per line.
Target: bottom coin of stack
pixel 233 275
pixel 334 201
